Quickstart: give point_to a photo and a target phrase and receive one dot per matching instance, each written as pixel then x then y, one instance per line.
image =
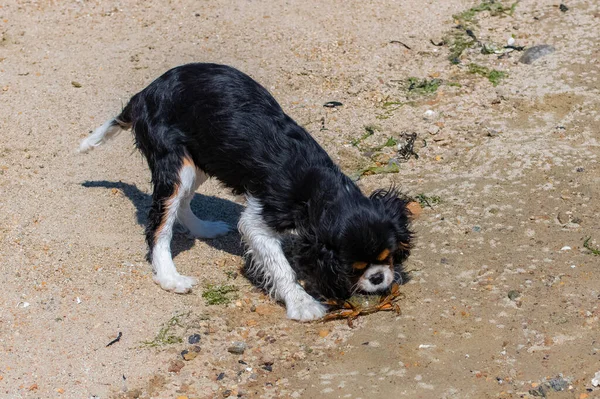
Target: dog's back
pixel 225 121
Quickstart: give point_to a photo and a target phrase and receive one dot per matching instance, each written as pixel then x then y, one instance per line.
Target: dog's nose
pixel 376 279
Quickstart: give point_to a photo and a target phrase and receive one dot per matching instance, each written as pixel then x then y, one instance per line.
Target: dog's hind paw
pixel 303 307
pixel 205 229
pixel 176 283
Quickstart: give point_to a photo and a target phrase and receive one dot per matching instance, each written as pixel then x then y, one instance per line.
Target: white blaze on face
pixel 376 278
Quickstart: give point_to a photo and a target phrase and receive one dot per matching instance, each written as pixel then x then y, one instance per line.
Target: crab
pixel 360 304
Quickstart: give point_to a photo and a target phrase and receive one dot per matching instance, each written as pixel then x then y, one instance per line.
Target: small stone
pixel 220 376
pixel 558 384
pixel 264 310
pixel 563 218
pixel 563 7
pixel 194 339
pixel 596 379
pixel 253 308
pixel 513 294
pixel 268 367
pixel 535 52
pixel 76 84
pixel 261 333
pixel 226 393
pixel 510 41
pixel 566 248
pixel 433 130
pixel 134 393
pixel 188 355
pixel 237 348
pixel 429 114
pixel 323 333
pixel 176 366
pixel 267 359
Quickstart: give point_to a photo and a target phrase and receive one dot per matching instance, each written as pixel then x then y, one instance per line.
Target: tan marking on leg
pixel 168 203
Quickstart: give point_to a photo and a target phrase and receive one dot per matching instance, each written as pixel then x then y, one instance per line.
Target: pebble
pixel 535 52
pixel 237 348
pixel 433 129
pixel 190 354
pixel 563 218
pixel 513 294
pixel 176 366
pixel 566 248
pixel 510 41
pixel 558 384
pixel 429 114
pixel 267 359
pixel 134 393
pixel 323 333
pixel 194 339
pixel 596 379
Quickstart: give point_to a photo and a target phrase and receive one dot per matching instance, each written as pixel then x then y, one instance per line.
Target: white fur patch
pixel 191 179
pixel 366 285
pixel 100 136
pixel 269 264
pixel 165 273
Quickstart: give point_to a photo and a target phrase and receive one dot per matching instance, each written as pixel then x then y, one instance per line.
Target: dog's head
pixel 363 249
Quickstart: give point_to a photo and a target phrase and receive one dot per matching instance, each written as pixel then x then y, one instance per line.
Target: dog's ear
pixel 394 205
pixel 331 278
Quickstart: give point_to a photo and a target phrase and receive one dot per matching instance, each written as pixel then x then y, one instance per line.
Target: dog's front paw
pixel 176 283
pixel 302 307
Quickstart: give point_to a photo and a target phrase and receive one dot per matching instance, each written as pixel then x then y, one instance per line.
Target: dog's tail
pixel 108 130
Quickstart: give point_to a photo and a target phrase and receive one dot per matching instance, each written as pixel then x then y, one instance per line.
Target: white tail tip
pixel 100 136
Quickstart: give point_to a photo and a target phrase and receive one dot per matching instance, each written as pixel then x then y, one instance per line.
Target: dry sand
pixel 515 168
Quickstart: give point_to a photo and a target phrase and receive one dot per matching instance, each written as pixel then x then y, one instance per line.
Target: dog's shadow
pixel 204 206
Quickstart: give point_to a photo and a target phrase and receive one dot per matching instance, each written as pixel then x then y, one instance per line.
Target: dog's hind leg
pixel 270 264
pixel 197 227
pixel 173 179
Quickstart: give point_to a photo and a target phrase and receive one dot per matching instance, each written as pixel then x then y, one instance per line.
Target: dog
pixel 206 120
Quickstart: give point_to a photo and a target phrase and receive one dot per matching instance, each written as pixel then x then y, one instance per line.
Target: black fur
pixel 235 131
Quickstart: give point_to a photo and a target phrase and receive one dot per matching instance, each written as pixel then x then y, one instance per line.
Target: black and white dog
pixel 202 120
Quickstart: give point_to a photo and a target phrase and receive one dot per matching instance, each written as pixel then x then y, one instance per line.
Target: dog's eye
pixel 359 265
